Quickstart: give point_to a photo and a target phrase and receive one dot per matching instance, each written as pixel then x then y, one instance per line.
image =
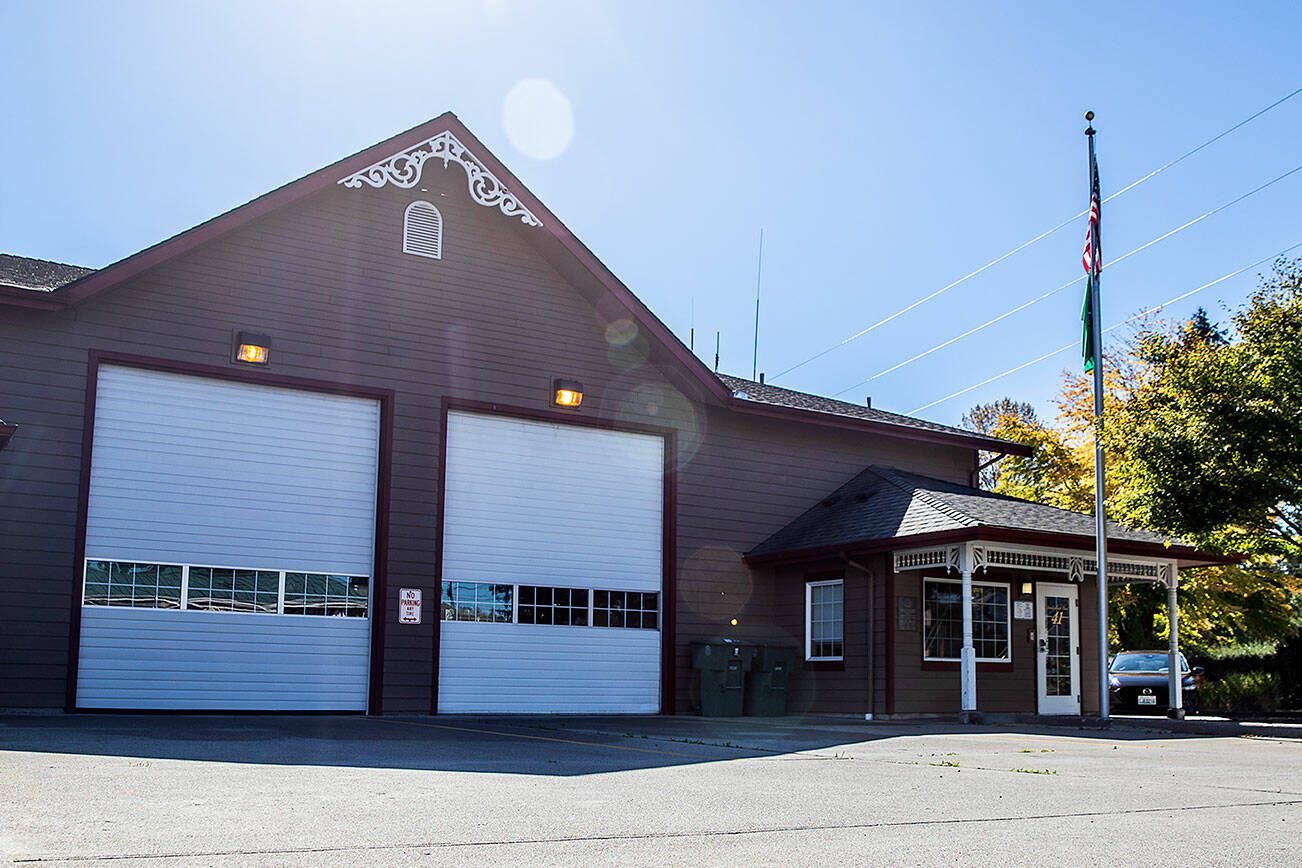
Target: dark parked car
pixel 1139 681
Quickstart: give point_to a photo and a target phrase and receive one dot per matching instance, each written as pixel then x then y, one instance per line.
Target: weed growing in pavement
pixel 1035 771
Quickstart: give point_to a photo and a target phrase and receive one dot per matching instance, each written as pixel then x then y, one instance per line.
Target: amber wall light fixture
pixel 567 393
pixel 251 348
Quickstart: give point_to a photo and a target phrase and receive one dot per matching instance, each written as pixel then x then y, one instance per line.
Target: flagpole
pixel 1100 503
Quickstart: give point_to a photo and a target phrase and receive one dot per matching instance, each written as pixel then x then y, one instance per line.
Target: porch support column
pixel 967 660
pixel 1175 691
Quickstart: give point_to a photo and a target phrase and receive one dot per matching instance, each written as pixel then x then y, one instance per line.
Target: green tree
pixel 1211 439
pixel 1203 436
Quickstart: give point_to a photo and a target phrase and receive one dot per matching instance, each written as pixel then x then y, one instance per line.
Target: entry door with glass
pixel 1058 648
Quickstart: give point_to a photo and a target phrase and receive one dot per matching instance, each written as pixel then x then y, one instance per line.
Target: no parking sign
pixel 409 604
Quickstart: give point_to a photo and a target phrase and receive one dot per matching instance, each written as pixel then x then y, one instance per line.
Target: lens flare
pixel 538 119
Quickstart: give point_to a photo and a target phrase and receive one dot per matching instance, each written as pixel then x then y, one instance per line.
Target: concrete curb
pixel 1213 726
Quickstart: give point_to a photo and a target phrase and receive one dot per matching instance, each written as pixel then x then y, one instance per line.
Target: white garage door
pixel 229 546
pixel 551 568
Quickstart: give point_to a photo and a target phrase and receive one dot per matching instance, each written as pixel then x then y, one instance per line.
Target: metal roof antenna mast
pixel 759 271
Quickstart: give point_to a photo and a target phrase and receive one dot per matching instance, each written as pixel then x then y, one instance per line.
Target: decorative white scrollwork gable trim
pixel 1076 570
pixel 403 170
pixel 979 559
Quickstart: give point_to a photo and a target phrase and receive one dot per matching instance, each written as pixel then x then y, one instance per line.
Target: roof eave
pixel 904 432
pixel 36 299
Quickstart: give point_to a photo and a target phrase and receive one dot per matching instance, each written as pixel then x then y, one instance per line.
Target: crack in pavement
pixel 644 836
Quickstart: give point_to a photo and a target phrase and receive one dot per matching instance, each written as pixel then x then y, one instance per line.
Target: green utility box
pixel 766 682
pixel 722 665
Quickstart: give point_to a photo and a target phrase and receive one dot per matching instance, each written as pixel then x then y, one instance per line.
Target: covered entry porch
pixel 985 603
pixel 989 603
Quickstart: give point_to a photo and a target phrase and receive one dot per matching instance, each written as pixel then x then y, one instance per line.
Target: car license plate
pixel 1148 700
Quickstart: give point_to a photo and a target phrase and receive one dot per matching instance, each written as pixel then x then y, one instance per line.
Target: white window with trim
pixel 942 621
pixel 422 230
pixel 825 620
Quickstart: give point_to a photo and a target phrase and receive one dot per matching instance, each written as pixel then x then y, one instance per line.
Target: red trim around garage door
pixel 669 524
pixel 379 603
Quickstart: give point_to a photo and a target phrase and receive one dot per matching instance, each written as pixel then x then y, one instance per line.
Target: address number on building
pixel 409 604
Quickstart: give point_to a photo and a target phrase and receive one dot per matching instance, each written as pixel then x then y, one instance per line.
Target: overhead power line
pixel 1143 313
pixel 1043 235
pixel 1052 292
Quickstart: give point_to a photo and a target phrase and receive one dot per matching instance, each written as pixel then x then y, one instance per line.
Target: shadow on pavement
pixel 557 746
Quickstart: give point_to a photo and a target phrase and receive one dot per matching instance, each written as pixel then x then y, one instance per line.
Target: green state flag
pixel 1087 326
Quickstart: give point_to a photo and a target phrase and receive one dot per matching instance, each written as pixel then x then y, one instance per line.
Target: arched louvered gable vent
pixel 422 230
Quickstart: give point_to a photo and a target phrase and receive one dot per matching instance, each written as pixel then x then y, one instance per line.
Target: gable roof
pixel 391 160
pixel 881 508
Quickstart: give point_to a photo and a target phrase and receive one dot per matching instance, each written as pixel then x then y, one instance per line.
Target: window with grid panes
pixel 825 620
pixel 216 589
pixel 942 620
pixel 139 585
pixel 477 601
pixel 567 607
pixel 326 594
pixel 635 609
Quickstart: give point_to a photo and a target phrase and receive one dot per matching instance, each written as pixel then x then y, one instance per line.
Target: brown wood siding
pixel 822 688
pixel 492 321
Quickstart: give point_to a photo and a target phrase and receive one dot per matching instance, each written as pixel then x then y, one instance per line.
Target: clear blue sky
pixel 885 150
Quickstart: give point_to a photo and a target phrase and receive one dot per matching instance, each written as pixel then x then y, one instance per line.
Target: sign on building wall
pixel 409 605
pixel 1024 610
pixel 906 613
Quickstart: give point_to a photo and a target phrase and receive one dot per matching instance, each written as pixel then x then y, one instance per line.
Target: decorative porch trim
pixel 1070 564
pixel 403 169
pixel 944 557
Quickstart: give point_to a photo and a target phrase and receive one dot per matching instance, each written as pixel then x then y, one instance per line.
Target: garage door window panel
pixel 218 589
pixel 631 609
pixel 565 607
pixel 327 594
pixel 130 584
pixel 478 601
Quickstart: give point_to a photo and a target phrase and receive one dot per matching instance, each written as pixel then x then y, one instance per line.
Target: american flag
pixel 1092 228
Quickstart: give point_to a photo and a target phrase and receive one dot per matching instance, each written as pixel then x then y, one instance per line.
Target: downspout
pixel 872 631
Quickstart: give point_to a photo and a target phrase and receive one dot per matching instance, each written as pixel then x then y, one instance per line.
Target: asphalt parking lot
pixel 351 790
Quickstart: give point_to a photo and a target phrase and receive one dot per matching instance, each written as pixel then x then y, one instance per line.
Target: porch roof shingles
pixel 882 503
pixel 38 275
